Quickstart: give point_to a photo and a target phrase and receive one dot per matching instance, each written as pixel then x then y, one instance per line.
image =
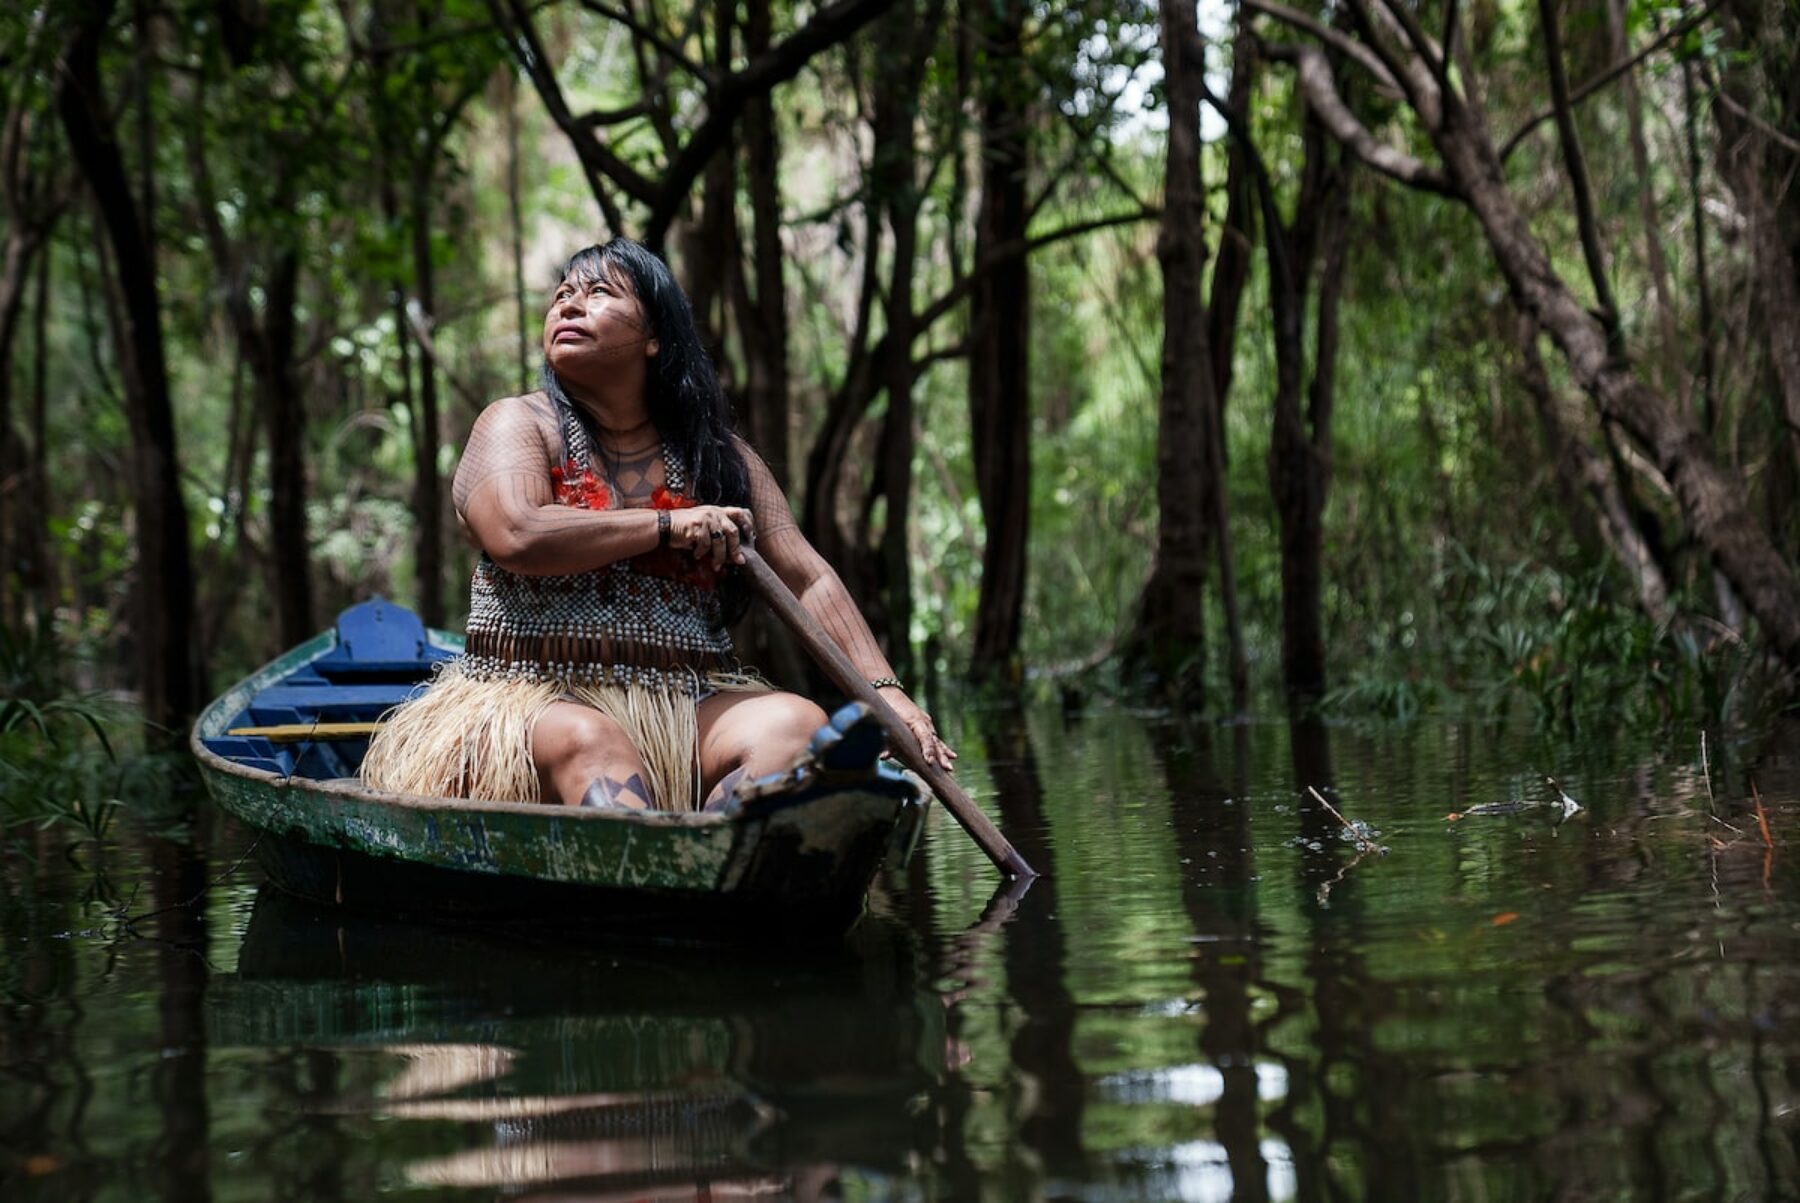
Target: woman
pixel 609 508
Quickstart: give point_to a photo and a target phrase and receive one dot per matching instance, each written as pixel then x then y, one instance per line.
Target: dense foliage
pixel 351 212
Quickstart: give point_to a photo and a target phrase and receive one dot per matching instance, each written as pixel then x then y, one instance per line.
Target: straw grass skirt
pixel 470 737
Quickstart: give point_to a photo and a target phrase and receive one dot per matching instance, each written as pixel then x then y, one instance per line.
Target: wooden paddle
pixel 905 744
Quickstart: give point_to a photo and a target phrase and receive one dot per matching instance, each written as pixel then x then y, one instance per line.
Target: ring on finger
pixel 718 534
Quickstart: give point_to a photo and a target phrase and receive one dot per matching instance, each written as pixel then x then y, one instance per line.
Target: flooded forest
pixel 1331 470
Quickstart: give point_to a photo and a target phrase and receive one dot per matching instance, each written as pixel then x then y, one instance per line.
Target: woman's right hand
pixel 711 532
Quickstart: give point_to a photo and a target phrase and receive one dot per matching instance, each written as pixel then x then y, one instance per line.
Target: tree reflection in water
pixel 1210 996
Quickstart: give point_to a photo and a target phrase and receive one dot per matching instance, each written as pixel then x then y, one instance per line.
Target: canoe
pixel 279 753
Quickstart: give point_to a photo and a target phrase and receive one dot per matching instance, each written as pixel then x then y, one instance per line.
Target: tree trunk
pixel 1231 269
pixel 515 225
pixel 168 672
pixel 1712 500
pixel 1303 549
pixel 1231 272
pixel 1669 353
pixel 1000 345
pixel 278 399
pixel 15 277
pixel 1587 222
pixel 1702 276
pixel 40 577
pixel 428 502
pixel 895 173
pixel 1299 443
pixel 711 246
pixel 1588 482
pixel 826 461
pixel 766 347
pixel 1169 639
pixel 1744 162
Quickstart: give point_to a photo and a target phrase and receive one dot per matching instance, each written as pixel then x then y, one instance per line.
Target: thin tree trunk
pixel 1669 353
pixel 1757 107
pixel 1000 345
pixel 1231 272
pixel 1743 157
pixel 1231 268
pixel 15 278
pixel 41 579
pixel 279 399
pixel 515 214
pixel 1702 277
pixel 711 245
pixel 766 355
pixel 428 501
pixel 1169 640
pixel 896 183
pixel 1586 221
pixel 168 672
pixel 1588 482
pixel 826 462
pixel 1303 572
pixel 1296 470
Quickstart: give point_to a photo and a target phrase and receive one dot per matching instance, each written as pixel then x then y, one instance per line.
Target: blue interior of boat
pixel 381 657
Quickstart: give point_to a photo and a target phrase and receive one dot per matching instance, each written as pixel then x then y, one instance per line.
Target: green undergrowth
pixel 70 757
pixel 1562 649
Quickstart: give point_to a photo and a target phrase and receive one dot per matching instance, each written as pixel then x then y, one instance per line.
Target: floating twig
pixel 1762 818
pixel 1357 831
pixel 1323 894
pixel 1762 821
pixel 1706 768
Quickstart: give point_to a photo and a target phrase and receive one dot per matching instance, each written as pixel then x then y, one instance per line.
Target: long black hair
pixel 681 390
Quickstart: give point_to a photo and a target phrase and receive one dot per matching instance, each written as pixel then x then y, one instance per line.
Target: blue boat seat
pixel 383 656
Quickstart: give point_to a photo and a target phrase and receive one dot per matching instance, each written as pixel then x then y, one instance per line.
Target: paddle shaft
pixel 906 745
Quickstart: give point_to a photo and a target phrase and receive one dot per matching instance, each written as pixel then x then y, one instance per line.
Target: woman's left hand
pixel 937 752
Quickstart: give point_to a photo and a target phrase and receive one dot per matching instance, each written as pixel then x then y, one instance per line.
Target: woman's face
pixel 595 320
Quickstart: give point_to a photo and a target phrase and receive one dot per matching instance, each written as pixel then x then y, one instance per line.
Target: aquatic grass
pixel 1561 647
pixel 34 697
pixel 58 764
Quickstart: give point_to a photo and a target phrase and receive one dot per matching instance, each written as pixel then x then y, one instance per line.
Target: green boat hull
pixel 798 858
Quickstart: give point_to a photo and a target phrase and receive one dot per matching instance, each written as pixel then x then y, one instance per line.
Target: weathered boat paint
pixel 803 848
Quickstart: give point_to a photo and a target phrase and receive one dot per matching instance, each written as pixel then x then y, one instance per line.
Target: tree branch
pixel 669 50
pixel 604 117
pixel 1320 88
pixel 514 19
pixel 1586 220
pixel 829 26
pixel 1336 38
pixel 1016 248
pixel 1679 30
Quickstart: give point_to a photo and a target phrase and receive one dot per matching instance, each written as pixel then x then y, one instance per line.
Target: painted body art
pixel 610 793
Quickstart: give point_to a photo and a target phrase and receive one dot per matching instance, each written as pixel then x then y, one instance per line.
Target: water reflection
pixel 179 888
pixel 1049 1086
pixel 551 1069
pixel 1210 997
pixel 1211 825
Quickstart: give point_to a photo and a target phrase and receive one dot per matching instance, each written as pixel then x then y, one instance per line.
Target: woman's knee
pixel 567 732
pixel 786 721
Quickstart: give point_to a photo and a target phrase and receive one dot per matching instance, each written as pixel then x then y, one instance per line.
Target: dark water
pixel 1212 996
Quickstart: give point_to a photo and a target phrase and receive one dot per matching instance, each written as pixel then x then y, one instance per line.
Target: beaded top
pixel 654 619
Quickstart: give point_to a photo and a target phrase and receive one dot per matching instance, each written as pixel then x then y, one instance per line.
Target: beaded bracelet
pixel 662 528
pixel 884 682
